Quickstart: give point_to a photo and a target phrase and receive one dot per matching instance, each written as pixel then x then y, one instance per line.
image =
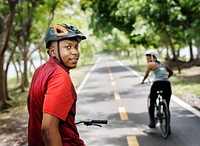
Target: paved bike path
pixel 111 91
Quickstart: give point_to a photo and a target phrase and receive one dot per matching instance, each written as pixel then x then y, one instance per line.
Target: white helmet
pixel 152 52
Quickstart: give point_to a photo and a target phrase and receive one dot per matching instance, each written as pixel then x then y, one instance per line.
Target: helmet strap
pixel 153 59
pixel 58 47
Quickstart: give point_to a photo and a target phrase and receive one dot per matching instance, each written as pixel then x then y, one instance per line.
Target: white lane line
pixel 185 105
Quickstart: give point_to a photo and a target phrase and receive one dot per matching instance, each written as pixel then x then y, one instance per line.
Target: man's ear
pixel 52 52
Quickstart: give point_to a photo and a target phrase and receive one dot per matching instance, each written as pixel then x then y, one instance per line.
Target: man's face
pixel 69 52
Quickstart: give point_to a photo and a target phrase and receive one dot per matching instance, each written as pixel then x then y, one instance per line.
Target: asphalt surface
pixel 113 92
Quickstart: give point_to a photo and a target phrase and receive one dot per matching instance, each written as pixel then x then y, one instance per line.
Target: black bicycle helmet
pixel 62 31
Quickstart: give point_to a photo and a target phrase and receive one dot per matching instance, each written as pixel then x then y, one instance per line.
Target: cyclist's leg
pixel 151 109
pixel 167 92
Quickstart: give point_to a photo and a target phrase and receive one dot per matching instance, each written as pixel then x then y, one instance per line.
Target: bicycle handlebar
pixel 92 122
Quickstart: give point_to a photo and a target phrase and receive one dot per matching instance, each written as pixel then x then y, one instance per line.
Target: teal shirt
pixel 160 73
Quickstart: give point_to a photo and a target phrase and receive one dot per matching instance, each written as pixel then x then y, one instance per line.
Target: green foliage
pixel 4 7
pixel 158 23
pixel 107 15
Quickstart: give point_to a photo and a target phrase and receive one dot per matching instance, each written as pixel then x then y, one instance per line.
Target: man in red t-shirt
pixel 52 97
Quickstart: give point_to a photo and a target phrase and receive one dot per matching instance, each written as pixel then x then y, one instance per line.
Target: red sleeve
pixel 58 98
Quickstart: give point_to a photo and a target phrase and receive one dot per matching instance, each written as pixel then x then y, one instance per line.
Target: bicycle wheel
pixel 164 119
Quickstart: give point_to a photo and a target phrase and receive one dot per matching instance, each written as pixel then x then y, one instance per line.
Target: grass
pixel 187 81
pixel 17 99
pixel 18 104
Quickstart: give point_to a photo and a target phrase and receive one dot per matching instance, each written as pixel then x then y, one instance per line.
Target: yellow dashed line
pixel 122 113
pixel 111 76
pixel 117 95
pixel 132 141
pixel 113 83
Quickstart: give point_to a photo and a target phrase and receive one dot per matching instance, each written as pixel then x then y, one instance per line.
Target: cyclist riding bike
pixel 52 96
pixel 161 74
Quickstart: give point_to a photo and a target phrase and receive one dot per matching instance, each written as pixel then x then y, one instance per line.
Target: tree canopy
pixel 162 24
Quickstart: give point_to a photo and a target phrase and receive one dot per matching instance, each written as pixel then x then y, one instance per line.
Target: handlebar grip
pixel 99 121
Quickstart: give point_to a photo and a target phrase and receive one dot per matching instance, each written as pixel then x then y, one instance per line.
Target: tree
pixel 6 25
pixel 29 32
pixel 107 15
pixel 172 21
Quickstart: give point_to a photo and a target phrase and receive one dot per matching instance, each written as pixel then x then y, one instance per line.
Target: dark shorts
pixel 165 86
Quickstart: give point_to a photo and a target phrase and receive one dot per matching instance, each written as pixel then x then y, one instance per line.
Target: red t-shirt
pixel 52 92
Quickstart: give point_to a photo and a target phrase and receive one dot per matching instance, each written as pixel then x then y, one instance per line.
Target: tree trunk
pixel 136 54
pixel 17 72
pixel 167 53
pixel 3 47
pixel 26 82
pixel 2 85
pixel 191 51
pixel 174 58
pixel 6 71
pixel 31 65
pixel 198 52
pixel 22 76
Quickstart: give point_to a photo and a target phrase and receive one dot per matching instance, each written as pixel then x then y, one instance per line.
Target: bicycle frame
pixel 158 106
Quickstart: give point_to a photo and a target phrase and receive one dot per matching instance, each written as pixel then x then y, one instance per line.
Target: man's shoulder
pixel 51 69
pixel 46 66
pixel 44 70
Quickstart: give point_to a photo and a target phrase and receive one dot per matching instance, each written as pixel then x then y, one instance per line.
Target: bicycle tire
pixel 164 120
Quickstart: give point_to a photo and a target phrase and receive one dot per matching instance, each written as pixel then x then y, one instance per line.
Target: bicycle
pixel 162 114
pixel 92 122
